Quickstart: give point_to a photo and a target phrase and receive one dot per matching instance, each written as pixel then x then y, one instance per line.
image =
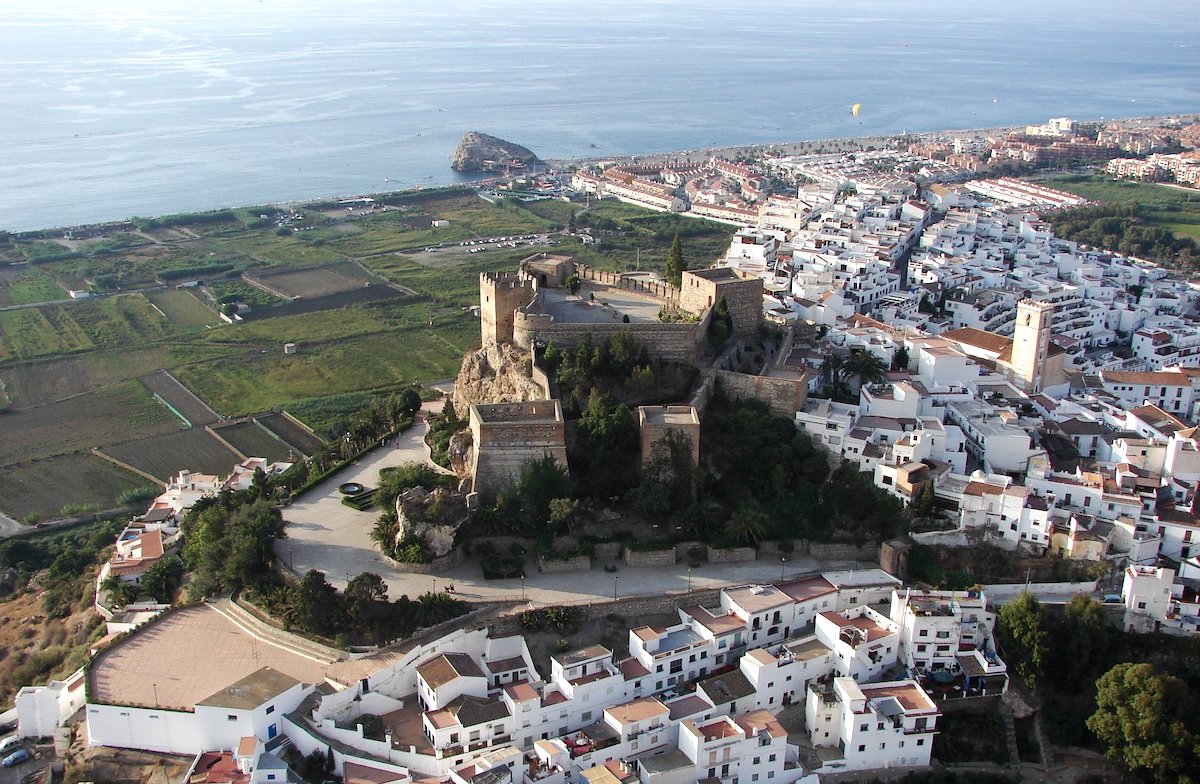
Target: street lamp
pixel 615 578
pixel 522 587
pixel 435 586
pixel 689 579
pixel 782 565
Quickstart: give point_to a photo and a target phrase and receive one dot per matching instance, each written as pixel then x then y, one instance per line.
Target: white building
pixel 882 725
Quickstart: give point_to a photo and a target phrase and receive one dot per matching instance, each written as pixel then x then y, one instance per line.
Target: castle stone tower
pixel 499 295
pixel 1031 343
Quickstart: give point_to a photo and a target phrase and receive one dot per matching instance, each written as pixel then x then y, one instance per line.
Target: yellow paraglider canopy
pixel 855 109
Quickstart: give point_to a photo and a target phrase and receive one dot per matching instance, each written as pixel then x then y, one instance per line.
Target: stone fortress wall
pixel 507 436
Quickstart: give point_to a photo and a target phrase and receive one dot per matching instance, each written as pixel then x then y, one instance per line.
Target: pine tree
pixel 676 266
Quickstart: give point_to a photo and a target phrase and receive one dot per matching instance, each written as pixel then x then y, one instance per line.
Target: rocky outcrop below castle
pixel 478 152
pixel 433 518
pixel 499 373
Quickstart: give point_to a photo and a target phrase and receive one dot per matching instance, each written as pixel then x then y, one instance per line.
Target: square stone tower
pixel 657 421
pixel 500 294
pixel 703 289
pixel 1031 343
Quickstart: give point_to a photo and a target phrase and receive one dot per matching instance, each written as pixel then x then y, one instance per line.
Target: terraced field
pixel 165 456
pixel 254 441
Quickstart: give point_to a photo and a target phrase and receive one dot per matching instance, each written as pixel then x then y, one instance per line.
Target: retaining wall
pixel 649 557
pixel 720 555
pixel 609 549
pixel 447 561
pixel 580 563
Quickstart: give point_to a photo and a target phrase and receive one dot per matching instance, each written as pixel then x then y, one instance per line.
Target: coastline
pixel 797 147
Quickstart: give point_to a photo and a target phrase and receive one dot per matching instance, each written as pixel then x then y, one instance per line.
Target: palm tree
pixel 866 368
pixel 120 592
pixel 746 526
pixel 833 369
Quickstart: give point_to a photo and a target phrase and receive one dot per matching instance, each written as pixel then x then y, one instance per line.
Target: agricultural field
pixel 191 408
pixel 25 284
pixel 38 332
pixel 263 381
pixel 94 419
pixel 308 282
pixel 70 372
pixel 183 309
pixel 1177 209
pixel 44 487
pixel 292 433
pixel 165 456
pixel 46 381
pixel 254 441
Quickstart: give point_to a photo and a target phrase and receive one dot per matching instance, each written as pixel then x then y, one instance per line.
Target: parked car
pixel 10 743
pixel 1113 598
pixel 16 758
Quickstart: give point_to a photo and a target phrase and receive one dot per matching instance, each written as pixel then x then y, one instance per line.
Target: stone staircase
pixel 1010 735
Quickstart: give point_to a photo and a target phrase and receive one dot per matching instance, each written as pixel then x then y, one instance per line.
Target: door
pixel 272 731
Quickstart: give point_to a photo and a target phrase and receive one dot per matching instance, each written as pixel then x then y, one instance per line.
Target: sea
pixel 116 108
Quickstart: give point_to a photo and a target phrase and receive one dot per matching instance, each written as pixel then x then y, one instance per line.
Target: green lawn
pixel 1172 208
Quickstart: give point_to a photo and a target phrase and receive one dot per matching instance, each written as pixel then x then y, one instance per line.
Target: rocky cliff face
pixel 431 517
pixel 496 374
pixel 478 152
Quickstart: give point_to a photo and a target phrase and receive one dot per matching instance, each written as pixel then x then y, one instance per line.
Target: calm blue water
pixel 118 108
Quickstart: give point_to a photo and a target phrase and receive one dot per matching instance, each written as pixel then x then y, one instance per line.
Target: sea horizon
pixel 158 107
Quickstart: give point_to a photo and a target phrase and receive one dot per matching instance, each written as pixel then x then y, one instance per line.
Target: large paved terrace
pixel 186 656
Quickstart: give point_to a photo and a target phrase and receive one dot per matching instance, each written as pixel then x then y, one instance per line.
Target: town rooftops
pixel 468 711
pixel 727 687
pixel 665 763
pixel 637 710
pixel 910 696
pixel 726 623
pixel 520 692
pixel 255 689
pixel 582 655
pixel 1159 378
pixel 870 630
pixel 978 338
pixel 757 598
pixel 444 668
pixel 761 720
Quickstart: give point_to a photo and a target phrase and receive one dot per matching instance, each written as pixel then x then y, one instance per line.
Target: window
pixel 863 727
pixel 920 741
pixel 231 717
pixel 270 709
pixel 587 716
pixel 862 747
pixel 923 633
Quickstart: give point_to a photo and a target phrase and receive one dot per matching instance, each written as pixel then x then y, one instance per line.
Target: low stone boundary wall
pixel 720 555
pixel 843 551
pixel 649 557
pixel 580 563
pixel 447 561
pixel 609 549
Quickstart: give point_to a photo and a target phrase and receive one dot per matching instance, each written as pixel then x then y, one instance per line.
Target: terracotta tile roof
pixel 1161 378
pixel 442 669
pixel 978 338
pixel 757 720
